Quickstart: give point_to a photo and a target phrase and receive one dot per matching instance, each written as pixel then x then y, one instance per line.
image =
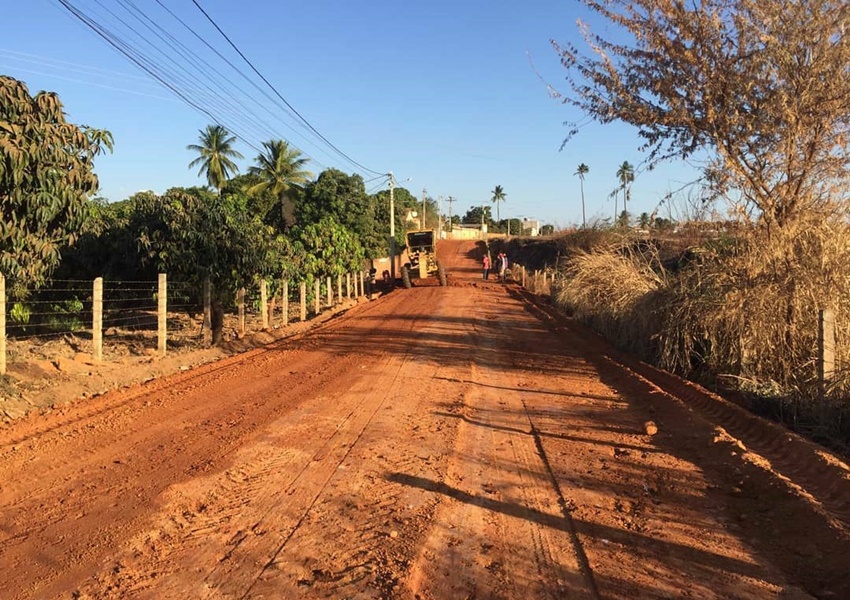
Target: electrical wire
pixel 208 93
pixel 279 95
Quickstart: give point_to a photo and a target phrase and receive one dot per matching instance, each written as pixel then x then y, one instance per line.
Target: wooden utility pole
pixel 450 200
pixel 424 193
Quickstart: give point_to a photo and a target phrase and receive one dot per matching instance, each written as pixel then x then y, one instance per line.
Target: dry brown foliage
pixel 748 307
pixel 618 290
pixel 762 88
pixel 741 308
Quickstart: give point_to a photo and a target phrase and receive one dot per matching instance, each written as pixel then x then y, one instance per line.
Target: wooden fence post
pixel 330 293
pixel 348 285
pixel 240 307
pixel 303 301
pixel 161 314
pixel 284 302
pixel 826 349
pixel 207 326
pixel 2 324
pixel 97 320
pixel 264 307
pixel 317 300
pixel 339 288
pixel 362 287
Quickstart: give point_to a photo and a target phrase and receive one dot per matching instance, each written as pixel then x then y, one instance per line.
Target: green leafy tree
pixel 192 234
pixel 281 170
pixel 263 204
pixel 644 220
pixel 46 176
pixel 474 216
pixel 499 196
pixel 329 248
pixel 758 88
pixel 215 155
pixel 582 170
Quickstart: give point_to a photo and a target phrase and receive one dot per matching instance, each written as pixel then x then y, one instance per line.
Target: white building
pixel 530 227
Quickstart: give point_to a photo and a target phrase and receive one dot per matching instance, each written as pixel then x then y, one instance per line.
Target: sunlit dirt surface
pixel 437 443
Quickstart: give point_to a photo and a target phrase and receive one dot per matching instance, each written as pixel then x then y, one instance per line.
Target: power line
pixel 278 94
pixel 205 99
pixel 241 74
pixel 193 79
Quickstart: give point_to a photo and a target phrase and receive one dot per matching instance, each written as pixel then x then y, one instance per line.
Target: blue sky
pixel 441 91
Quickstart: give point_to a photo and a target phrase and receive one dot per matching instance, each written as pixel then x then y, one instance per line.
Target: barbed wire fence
pixel 152 316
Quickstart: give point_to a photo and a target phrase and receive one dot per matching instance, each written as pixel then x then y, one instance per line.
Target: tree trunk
pixel 217 322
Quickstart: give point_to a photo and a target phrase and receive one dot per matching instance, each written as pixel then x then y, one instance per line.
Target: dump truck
pixel 422 258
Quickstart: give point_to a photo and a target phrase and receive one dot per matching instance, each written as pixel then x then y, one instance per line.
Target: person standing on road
pixel 503 266
pixel 486 263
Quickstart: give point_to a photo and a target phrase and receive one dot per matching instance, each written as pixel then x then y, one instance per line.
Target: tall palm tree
pixel 499 195
pixel 582 170
pixel 215 149
pixel 281 168
pixel 626 175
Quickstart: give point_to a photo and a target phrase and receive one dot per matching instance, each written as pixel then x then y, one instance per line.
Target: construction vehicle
pixel 422 258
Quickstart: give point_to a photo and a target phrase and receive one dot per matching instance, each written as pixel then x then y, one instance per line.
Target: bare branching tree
pixel 762 88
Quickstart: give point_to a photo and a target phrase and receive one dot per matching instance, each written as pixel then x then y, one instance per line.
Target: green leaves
pixel 45 179
pixel 216 154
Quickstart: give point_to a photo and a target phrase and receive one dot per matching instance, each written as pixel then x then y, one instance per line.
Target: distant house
pixel 530 227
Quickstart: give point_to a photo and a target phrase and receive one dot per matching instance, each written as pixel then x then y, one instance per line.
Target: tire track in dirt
pixel 257 511
pixel 817 474
pixel 369 544
pixel 780 519
pixel 498 532
pixel 161 435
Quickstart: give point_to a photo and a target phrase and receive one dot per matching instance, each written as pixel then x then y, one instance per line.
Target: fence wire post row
pixel 97 311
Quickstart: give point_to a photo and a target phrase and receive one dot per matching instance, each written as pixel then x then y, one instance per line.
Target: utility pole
pixel 392 230
pixel 424 191
pixel 450 199
pixel 440 217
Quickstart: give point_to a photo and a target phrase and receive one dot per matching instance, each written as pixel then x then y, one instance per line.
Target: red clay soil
pixel 438 443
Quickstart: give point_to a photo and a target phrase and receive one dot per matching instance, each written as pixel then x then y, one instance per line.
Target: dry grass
pixel 617 289
pixel 742 309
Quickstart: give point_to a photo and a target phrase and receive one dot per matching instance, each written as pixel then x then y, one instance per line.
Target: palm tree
pixel 281 168
pixel 499 195
pixel 582 170
pixel 626 175
pixel 216 152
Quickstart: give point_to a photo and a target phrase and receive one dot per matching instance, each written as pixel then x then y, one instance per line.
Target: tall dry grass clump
pixel 618 290
pixel 741 308
pixel 746 308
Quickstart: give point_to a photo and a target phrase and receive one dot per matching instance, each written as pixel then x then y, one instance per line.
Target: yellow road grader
pixel 422 258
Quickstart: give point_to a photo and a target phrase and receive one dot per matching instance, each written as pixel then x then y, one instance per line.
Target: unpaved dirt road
pixel 439 443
